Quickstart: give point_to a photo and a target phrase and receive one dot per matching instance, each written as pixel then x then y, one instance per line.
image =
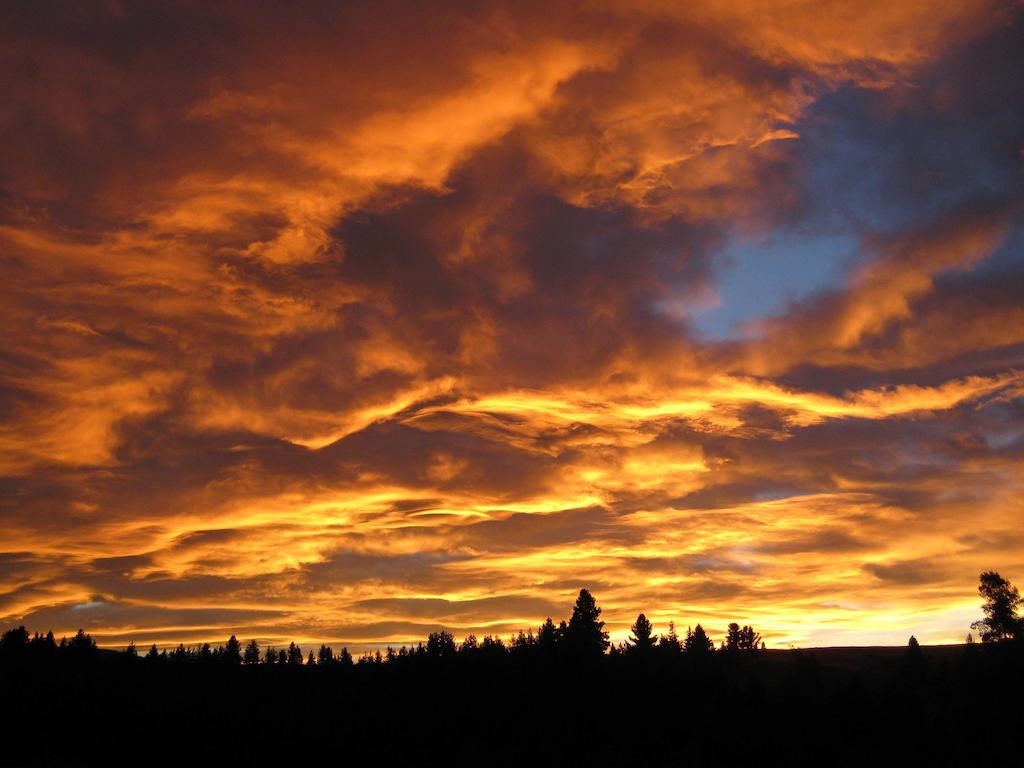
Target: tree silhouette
pixel 82 646
pixel 492 646
pixel 440 644
pixel 697 642
pixel 741 638
pixel 521 641
pixel 642 640
pixel 732 637
pixel 585 633
pixel 749 639
pixel 345 658
pixel 1000 608
pixel 547 636
pixel 252 652
pixel 325 655
pixel 14 641
pixel 294 655
pixel 131 651
pixel 670 642
pixel 83 641
pixel 232 651
pixel 915 665
pixel 43 644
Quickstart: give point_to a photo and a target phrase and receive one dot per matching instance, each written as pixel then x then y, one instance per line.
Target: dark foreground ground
pixel 946 706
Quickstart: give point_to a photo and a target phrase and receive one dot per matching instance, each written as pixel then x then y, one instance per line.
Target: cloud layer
pixel 343 324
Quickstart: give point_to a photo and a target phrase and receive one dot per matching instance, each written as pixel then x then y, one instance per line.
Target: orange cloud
pixel 344 325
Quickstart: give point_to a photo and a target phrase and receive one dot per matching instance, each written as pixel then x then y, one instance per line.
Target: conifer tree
pixel 670 642
pixel 585 633
pixel 697 642
pixel 232 651
pixel 547 636
pixel 252 652
pixel 642 639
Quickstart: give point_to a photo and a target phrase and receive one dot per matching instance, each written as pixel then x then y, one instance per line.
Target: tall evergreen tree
pixel 252 652
pixel 325 655
pixel 585 633
pixel 697 642
pixel 732 637
pixel 82 642
pixel 547 636
pixel 232 651
pixel 643 635
pixel 440 644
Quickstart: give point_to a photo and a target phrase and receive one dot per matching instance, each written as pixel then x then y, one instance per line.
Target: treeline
pixel 561 695
pixel 582 636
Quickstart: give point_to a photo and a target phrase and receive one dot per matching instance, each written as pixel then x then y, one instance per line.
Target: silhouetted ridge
pixel 550 697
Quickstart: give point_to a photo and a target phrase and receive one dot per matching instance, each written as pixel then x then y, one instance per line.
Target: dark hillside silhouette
pixel 549 697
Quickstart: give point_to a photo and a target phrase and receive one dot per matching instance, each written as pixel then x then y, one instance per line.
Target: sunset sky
pixel 343 322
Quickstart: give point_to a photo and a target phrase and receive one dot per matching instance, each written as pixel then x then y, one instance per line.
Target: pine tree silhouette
pixel 252 653
pixel 642 639
pixel 585 635
pixel 697 642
